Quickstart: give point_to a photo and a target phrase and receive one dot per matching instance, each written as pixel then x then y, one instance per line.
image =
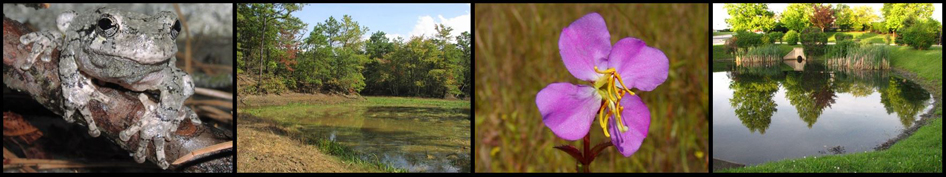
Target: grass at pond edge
pixel 351 156
pixel 927 64
pixel 921 152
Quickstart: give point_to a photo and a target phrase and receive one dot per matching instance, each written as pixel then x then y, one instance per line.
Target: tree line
pixel 334 58
pixel 798 16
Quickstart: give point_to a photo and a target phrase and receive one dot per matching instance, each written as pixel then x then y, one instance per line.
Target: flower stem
pixel 586 161
pixel 586 155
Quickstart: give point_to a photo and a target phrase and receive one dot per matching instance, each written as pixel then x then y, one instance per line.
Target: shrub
pixel 864 42
pixel 921 35
pixel 791 37
pixel 776 36
pixel 273 84
pixel 730 46
pixel 748 39
pixel 814 41
pixel 842 37
pixel 879 27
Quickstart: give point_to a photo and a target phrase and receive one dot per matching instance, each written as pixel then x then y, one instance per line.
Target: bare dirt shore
pixel 264 148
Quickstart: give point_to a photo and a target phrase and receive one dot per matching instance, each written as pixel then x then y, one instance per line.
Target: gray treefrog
pixel 129 49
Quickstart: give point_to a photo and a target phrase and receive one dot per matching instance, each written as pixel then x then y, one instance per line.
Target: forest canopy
pixel 334 58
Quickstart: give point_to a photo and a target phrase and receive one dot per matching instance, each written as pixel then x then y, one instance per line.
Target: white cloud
pixel 393 36
pixel 425 25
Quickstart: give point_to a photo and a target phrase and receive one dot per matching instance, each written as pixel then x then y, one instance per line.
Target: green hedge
pixel 791 37
pixel 921 35
pixel 745 39
pixel 775 37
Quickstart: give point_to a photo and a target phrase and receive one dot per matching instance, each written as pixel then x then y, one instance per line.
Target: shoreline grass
pixel 921 152
pixel 767 55
pixel 867 57
pixel 927 64
pixel 351 156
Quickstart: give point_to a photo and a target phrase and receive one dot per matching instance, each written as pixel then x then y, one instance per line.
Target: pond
pixel 797 110
pixel 418 139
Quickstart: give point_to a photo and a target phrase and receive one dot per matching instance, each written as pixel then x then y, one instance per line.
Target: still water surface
pixel 769 114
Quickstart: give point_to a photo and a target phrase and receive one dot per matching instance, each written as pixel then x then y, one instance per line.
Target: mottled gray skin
pixel 133 50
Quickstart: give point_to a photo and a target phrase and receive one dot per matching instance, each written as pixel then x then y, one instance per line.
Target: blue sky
pixel 402 20
pixel 720 15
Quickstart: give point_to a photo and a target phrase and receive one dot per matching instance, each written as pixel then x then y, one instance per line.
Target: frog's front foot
pixel 78 91
pixel 151 127
pixel 43 43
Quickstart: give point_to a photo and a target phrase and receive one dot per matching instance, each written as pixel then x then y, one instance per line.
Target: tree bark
pixel 122 111
pixel 262 40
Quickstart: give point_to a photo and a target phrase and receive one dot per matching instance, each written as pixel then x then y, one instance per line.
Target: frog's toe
pixel 94 131
pixel 126 134
pixel 159 152
pixel 193 116
pixel 87 115
pixel 35 50
pixel 68 115
pixel 47 54
pixel 28 62
pixel 142 151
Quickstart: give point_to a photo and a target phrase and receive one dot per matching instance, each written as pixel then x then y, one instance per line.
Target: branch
pixel 123 109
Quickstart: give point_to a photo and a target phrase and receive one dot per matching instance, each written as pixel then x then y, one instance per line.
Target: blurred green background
pixel 517 55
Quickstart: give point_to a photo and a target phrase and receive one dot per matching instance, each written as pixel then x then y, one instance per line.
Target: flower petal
pixel 640 66
pixel 585 44
pixel 636 117
pixel 568 109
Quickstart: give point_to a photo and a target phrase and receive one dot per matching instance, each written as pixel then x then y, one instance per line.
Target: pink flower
pixel 569 110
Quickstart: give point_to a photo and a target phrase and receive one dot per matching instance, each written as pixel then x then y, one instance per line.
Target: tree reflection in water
pixel 817 88
pixel 905 98
pixel 752 99
pixel 810 92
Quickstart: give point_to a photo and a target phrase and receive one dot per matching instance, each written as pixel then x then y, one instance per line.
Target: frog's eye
pixel 108 26
pixel 175 29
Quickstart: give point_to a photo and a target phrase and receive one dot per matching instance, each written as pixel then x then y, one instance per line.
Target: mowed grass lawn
pixel 921 152
pixel 863 35
pixel 925 63
pixel 721 33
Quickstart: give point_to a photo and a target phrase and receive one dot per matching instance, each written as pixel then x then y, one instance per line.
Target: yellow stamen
pixel 604 125
pixel 609 71
pixel 611 90
pixel 612 99
pixel 601 119
pixel 621 121
pixel 622 83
